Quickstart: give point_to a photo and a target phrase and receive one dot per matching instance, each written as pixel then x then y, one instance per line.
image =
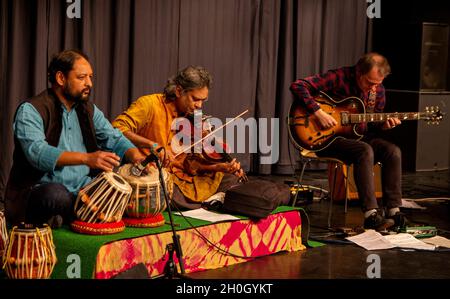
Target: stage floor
pixel 337 260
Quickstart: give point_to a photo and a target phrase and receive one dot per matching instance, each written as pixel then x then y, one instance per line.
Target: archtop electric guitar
pixel 306 132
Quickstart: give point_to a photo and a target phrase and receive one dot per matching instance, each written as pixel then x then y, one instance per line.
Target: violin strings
pixel 211 133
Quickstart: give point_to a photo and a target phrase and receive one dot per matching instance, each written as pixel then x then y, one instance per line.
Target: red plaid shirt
pixel 338 84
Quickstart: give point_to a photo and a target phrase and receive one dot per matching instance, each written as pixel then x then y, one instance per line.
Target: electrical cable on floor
pixel 424 250
pixel 331 241
pixel 443 230
pixel 208 241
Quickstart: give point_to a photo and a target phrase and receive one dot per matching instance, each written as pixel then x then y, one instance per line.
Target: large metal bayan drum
pixel 147 200
pixel 3 234
pixel 30 252
pixel 101 204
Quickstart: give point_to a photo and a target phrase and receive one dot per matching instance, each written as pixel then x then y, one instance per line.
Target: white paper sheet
pixel 438 241
pixel 408 241
pixel 411 204
pixel 206 215
pixel 372 240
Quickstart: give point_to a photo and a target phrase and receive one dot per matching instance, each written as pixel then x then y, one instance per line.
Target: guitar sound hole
pixel 318 133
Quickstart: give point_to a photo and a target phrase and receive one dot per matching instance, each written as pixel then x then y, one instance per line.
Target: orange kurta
pixel 151 116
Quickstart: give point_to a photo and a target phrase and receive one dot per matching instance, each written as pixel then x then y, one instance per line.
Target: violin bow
pixel 211 133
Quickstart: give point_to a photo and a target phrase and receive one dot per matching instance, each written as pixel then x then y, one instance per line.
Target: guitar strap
pixel 370 103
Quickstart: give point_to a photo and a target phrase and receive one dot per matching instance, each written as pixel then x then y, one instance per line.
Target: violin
pixel 213 151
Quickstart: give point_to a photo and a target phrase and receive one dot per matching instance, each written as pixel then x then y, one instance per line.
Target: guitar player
pixel 363 80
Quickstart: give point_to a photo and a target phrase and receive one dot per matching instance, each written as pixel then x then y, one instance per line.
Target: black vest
pixel 23 175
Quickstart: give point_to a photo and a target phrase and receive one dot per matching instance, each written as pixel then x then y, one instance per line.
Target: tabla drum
pixel 101 204
pixel 3 234
pixel 30 252
pixel 147 200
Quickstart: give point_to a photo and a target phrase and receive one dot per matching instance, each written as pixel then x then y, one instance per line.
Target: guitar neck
pixel 356 118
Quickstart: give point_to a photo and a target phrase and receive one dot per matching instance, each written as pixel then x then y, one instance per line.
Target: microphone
pixel 137 170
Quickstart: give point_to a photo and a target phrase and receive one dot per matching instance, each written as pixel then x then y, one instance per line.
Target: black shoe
pixel 377 222
pixel 399 219
pixel 55 221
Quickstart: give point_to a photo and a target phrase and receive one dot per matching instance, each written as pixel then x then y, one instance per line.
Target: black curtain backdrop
pixel 253 48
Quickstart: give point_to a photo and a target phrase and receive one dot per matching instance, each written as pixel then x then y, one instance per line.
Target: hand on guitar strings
pixel 325 120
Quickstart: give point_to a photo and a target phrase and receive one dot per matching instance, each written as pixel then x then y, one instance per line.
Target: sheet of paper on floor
pixel 203 214
pixel 408 241
pixel 411 204
pixel 371 240
pixel 438 241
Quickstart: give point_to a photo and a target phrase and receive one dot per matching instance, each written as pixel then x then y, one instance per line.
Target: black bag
pixel 256 198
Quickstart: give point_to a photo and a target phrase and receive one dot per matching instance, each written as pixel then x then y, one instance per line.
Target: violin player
pixel 147 123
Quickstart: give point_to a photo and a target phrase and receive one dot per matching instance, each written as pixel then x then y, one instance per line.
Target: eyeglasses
pixel 370 83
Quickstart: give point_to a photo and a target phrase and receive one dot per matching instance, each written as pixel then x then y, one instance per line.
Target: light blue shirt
pixel 29 129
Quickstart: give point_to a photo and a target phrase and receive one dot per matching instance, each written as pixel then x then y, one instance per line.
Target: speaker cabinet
pixel 433 67
pixel 425 146
pixel 417 53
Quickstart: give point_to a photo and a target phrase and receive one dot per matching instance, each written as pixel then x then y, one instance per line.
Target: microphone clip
pixel 137 170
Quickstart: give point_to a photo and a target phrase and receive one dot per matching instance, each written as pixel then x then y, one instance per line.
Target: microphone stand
pixel 170 269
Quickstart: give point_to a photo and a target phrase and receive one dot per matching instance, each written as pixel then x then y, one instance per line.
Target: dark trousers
pixel 47 200
pixel 364 155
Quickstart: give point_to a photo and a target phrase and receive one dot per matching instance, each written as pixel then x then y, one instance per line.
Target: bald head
pixel 372 60
pixel 371 70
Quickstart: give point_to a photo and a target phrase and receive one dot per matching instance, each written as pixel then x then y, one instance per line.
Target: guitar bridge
pixel 292 121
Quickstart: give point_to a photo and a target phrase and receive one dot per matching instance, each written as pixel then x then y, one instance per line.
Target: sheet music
pixel 203 214
pixel 372 240
pixel 438 241
pixel 411 204
pixel 408 241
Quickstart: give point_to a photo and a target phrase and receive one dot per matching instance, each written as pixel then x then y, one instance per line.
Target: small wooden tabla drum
pixel 101 204
pixel 30 253
pixel 147 200
pixel 3 234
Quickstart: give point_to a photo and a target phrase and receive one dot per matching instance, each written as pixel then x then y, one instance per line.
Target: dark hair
pixel 63 62
pixel 369 60
pixel 189 78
